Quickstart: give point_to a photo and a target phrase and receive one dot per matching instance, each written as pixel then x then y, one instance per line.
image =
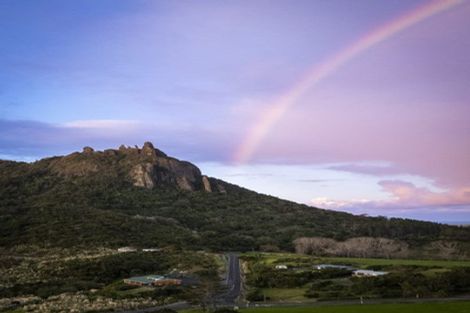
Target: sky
pixel 360 106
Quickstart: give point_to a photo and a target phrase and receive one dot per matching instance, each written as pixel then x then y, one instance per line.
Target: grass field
pixel 443 307
pixel 418 277
pixel 293 259
pixel 407 262
pixel 285 294
pixel 450 307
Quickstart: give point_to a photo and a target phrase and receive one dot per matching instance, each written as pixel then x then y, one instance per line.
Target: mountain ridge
pixel 142 197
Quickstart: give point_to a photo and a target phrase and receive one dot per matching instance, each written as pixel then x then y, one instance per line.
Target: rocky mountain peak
pixel 147 167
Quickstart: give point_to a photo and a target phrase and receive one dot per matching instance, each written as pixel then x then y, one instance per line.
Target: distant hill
pixel 456 223
pixel 142 197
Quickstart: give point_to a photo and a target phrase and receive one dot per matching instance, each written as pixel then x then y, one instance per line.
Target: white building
pixel 368 273
pixel 281 267
pixel 151 249
pixel 127 249
pixel 333 266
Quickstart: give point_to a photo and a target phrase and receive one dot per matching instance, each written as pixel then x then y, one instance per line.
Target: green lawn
pixel 286 294
pixel 408 262
pixel 443 307
pixel 292 259
pixel 270 258
pixel 344 288
pixel 449 307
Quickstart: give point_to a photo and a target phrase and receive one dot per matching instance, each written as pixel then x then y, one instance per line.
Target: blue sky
pixel 385 134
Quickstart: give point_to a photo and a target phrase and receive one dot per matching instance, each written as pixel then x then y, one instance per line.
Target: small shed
pixel 143 280
pixel 333 266
pixel 126 249
pixel 152 280
pixel 151 249
pixel 281 267
pixel 368 273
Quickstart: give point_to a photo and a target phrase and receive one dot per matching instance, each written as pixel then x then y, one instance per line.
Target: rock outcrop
pixel 206 183
pixel 88 150
pixel 147 168
pixel 142 175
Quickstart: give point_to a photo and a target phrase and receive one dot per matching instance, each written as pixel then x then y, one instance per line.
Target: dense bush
pixel 42 208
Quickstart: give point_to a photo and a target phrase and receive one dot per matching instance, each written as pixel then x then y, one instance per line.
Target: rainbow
pixel 318 72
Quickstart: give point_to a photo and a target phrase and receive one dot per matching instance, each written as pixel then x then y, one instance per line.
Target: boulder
pixel 88 150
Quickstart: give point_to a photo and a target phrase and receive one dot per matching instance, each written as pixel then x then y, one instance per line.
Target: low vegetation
pixel 97 282
pixel 405 278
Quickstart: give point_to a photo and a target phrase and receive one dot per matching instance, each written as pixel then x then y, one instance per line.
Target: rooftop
pixel 325 266
pixel 148 279
pixel 370 272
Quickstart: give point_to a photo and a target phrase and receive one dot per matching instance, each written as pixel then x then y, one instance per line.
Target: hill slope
pixel 142 197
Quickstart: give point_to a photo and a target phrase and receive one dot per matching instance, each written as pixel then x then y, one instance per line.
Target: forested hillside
pixel 95 199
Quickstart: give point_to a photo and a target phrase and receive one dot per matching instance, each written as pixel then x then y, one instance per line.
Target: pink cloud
pixel 404 196
pixel 369 169
pixel 408 195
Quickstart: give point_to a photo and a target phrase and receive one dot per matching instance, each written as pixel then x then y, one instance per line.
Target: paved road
pixel 233 280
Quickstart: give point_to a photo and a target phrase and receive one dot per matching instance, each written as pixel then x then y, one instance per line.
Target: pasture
pixel 298 259
pixel 431 307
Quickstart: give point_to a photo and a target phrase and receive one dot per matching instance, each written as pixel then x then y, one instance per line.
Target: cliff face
pixel 146 167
